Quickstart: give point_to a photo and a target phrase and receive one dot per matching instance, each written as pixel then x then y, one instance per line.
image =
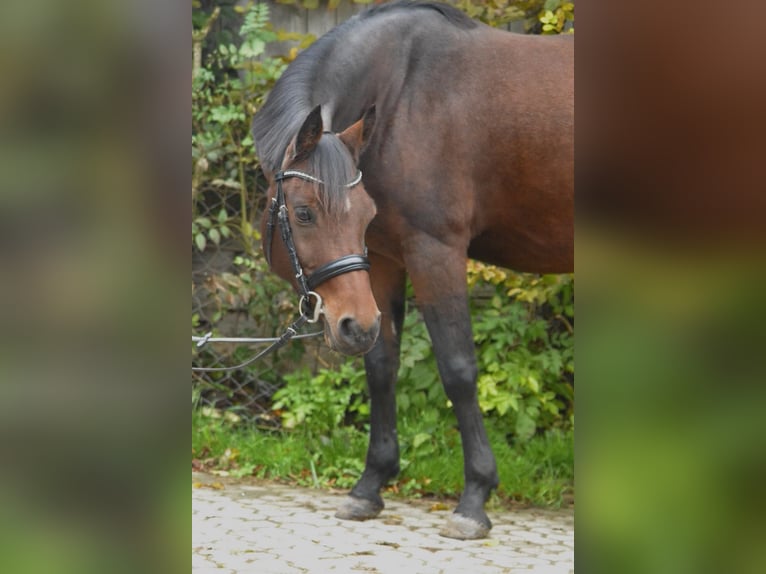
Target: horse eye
pixel 304 215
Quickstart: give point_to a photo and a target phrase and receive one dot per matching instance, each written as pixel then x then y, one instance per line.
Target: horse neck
pixel 360 63
pixel 344 72
pixel 368 65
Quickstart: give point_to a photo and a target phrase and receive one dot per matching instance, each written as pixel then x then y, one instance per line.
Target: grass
pixel 539 472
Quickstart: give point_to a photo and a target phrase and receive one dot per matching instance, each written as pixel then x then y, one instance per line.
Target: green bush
pixel 225 89
pixel 539 16
pixel 525 354
pixel 323 401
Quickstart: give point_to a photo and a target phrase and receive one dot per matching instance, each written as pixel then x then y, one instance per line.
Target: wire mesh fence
pixel 234 295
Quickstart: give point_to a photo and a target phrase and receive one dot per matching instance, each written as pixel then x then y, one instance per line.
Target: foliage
pixel 230 79
pixel 323 401
pixel 224 89
pixel 205 229
pixel 524 349
pixel 539 16
pixel 539 471
pixel 555 16
pixel 526 360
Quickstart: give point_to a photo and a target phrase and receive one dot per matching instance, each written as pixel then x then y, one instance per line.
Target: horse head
pixel 314 230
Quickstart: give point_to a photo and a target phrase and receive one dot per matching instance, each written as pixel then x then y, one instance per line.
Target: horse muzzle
pixel 349 336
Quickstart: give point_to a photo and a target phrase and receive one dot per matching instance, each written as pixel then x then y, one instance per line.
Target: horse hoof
pixel 464 528
pixel 358 509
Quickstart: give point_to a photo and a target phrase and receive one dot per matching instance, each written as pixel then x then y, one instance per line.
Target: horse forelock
pixel 332 163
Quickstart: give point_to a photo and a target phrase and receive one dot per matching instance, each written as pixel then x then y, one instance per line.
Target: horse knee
pixel 459 377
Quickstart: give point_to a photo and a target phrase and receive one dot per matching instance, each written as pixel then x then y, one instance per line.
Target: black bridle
pixel 307 284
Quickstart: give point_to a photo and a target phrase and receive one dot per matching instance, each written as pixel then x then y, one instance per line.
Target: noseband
pixel 307 284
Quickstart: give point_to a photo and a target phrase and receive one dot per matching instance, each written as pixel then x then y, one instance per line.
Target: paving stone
pixel 270 528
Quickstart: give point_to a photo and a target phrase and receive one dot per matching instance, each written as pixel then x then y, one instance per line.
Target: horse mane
pixel 290 100
pixel 452 14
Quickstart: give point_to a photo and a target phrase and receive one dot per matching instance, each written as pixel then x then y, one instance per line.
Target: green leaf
pixel 215 236
pixel 252 48
pixel 200 241
pixel 420 438
pixel 525 426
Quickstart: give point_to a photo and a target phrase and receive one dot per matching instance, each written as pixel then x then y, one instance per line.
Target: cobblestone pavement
pixel 241 526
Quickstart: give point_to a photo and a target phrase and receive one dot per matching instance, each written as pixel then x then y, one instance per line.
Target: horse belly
pixel 524 250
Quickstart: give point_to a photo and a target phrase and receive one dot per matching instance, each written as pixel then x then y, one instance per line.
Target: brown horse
pixel 466 150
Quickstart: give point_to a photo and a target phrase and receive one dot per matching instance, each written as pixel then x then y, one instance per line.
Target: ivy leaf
pixel 200 241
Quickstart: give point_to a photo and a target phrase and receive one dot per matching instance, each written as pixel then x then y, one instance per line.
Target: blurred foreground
pixel 671 440
pixel 94 112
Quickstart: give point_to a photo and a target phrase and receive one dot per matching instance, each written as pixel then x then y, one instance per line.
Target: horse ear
pixel 308 136
pixel 357 136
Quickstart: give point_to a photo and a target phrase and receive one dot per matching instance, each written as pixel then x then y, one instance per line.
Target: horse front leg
pixel 443 299
pixel 382 366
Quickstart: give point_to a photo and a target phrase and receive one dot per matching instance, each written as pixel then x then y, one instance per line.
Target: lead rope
pixel 291 332
pixel 279 209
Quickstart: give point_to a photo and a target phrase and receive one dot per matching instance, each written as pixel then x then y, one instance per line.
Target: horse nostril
pixel 352 332
pixel 348 328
